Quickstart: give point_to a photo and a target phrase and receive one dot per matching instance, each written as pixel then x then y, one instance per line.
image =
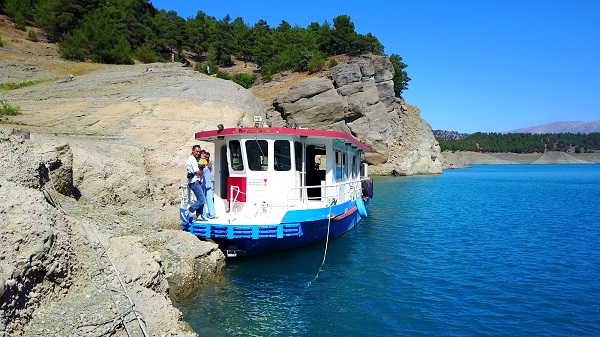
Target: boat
pixel 279 188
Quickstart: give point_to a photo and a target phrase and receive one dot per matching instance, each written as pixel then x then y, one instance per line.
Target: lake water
pixel 495 250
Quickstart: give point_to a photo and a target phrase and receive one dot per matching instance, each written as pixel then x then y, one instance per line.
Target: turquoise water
pixel 494 250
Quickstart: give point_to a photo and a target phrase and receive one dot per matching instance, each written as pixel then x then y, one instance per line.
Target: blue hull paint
pixel 298 229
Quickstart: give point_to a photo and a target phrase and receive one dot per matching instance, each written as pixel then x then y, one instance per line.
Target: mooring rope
pixel 329 216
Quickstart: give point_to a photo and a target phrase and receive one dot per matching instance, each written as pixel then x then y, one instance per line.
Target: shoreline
pixel 462 159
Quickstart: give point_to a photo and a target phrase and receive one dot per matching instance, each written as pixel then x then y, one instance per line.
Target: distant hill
pixel 562 127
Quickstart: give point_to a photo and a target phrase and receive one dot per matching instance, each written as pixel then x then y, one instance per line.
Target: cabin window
pixel 345 165
pixel 257 152
pixel 298 155
pixel 339 166
pixel 362 169
pixel 235 153
pixel 282 156
pixel 316 163
pixel 354 167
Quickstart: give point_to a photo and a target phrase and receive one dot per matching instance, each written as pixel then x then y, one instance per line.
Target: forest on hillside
pixel 119 31
pixel 524 142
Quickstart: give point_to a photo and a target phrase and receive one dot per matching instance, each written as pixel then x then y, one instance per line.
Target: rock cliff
pixel 357 97
pixel 73 268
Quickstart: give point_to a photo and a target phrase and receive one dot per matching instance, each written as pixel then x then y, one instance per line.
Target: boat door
pixel 223 172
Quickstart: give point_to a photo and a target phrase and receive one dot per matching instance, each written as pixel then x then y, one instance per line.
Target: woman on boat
pixel 209 207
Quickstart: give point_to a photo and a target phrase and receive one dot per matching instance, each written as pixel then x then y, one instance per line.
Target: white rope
pixel 318 271
pixel 326 245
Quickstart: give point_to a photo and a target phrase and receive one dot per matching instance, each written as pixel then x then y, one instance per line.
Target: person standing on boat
pixel 209 206
pixel 194 174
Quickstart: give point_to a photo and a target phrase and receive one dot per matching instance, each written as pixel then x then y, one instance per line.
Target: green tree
pixel 343 38
pixel 19 10
pixel 321 35
pixel 170 31
pixel 198 33
pixel 100 38
pixel 243 39
pixel 59 17
pixel 137 20
pixel 368 43
pixel 221 38
pixel 264 48
pixel 401 78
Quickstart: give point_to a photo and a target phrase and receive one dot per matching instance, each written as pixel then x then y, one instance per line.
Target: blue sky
pixel 475 65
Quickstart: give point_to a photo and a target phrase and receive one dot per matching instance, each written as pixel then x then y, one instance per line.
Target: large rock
pixel 189 263
pixel 312 103
pixel 358 98
pixel 37 163
pixel 36 258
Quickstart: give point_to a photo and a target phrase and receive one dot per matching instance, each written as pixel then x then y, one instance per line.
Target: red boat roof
pixel 212 135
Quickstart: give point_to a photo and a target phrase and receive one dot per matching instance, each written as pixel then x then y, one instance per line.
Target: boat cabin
pixel 268 171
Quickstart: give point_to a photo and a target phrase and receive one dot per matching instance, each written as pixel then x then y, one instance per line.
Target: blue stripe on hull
pixel 313 232
pixel 298 228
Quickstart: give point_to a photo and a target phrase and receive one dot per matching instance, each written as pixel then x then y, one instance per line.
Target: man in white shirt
pixel 194 174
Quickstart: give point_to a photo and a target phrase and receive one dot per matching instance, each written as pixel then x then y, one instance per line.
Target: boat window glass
pixel 345 165
pixel 235 153
pixel 338 165
pixel 257 152
pixel 354 167
pixel 316 158
pixel 298 155
pixel 362 169
pixel 282 161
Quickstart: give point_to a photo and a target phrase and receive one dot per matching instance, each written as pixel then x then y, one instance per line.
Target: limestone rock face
pixel 70 266
pixel 358 98
pixel 189 262
pixel 38 164
pixel 313 102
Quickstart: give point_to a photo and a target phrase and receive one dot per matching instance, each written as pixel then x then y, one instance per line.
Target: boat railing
pixel 234 192
pixel 332 194
pixel 185 195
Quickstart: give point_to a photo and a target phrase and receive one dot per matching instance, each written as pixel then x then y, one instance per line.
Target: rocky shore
pixel 462 159
pixel 73 265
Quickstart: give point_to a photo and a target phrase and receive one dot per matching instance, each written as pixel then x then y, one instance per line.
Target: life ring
pixel 362 210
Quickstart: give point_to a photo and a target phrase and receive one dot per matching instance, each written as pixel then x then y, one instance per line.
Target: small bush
pixel 316 64
pixel 226 61
pixel 145 54
pixel 223 74
pixel 245 80
pixel 332 63
pixel 32 35
pixel 9 110
pixel 266 74
pixel 19 21
pixel 12 85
